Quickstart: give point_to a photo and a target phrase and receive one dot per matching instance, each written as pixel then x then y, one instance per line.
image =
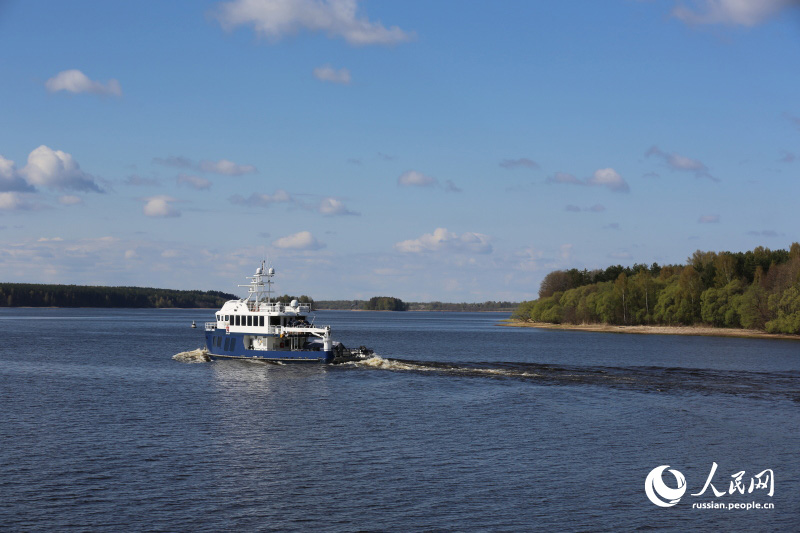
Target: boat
pixel 259 329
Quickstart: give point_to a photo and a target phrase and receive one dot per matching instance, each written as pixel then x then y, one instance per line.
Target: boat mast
pixel 255 289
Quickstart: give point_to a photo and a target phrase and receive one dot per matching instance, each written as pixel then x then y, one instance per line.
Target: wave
pixel 193 356
pixel 640 378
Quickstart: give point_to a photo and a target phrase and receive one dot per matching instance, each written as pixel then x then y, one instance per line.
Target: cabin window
pixel 261 321
pixel 249 320
pixel 237 320
pixel 274 321
pixel 233 344
pixel 227 343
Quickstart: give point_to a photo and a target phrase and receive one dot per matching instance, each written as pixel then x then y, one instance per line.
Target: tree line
pixel 757 289
pixel 384 303
pixel 37 295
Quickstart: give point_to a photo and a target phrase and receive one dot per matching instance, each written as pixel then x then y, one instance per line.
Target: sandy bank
pixel 657 330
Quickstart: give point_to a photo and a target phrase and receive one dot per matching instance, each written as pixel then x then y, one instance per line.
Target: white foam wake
pixel 194 356
pixel 376 361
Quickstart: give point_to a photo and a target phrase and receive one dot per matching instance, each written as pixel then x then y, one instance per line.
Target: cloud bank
pixel 730 12
pixel 442 240
pixel 275 19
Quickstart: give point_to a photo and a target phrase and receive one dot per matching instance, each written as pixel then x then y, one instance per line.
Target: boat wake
pixel 193 356
pixel 638 378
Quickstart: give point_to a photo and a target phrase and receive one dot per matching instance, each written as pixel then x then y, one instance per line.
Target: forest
pixel 757 289
pixel 36 295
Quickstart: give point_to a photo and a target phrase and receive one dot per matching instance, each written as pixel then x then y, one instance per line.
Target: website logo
pixel 658 492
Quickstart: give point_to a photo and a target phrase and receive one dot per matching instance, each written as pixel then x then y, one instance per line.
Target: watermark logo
pixel 658 492
pixel 665 496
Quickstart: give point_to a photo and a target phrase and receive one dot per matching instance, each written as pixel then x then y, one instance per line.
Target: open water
pixel 459 425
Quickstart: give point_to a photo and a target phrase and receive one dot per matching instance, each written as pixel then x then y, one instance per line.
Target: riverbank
pixel 702 331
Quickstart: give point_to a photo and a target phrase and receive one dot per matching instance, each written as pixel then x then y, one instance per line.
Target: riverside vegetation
pixel 758 289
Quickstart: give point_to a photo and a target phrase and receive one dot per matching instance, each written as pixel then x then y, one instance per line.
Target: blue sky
pixel 447 150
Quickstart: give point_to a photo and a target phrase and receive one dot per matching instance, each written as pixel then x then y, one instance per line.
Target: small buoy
pixel 193 324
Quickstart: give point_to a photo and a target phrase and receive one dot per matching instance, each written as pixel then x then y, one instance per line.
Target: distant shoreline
pixel 700 331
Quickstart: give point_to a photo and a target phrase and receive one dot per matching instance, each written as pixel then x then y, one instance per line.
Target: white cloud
pixel 57 170
pixel 681 163
pixel 521 162
pixel 195 182
pixel 708 219
pixel 262 200
pixel 608 177
pixel 11 179
pixel 442 240
pixel 302 240
pixel 330 74
pixel 13 201
pixel 332 207
pixel 75 81
pixel 412 178
pixel 223 166
pixel 274 19
pixel 731 12
pixel 604 177
pixel 229 168
pixel 69 199
pixel 160 206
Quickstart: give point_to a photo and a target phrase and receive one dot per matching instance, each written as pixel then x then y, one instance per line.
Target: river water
pixel 458 425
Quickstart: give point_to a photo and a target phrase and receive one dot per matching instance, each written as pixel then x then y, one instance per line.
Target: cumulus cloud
pixel 261 199
pixel 731 12
pixel 160 206
pixel 302 240
pixel 521 162
pixel 330 74
pixel 608 177
pixel 412 178
pixel 274 19
pixel 14 201
pixel 70 200
pixel 708 219
pixel 332 207
pixel 75 81
pixel 442 240
pixel 55 169
pixel 195 182
pixel 604 177
pixel 11 179
pixel 681 163
pixel 223 166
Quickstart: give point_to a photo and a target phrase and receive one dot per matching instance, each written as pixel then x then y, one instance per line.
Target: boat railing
pixel 277 307
pixel 211 326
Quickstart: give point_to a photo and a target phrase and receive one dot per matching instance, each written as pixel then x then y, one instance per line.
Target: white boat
pixel 258 328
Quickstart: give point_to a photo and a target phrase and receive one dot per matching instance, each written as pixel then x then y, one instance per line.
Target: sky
pixel 449 150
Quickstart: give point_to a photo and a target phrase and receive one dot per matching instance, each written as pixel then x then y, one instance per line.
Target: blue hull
pixel 231 346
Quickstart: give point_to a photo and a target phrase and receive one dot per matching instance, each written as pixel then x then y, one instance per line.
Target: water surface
pixel 460 425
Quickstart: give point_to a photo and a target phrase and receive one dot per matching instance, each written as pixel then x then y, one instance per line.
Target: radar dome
pixel 271 272
pixel 294 303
